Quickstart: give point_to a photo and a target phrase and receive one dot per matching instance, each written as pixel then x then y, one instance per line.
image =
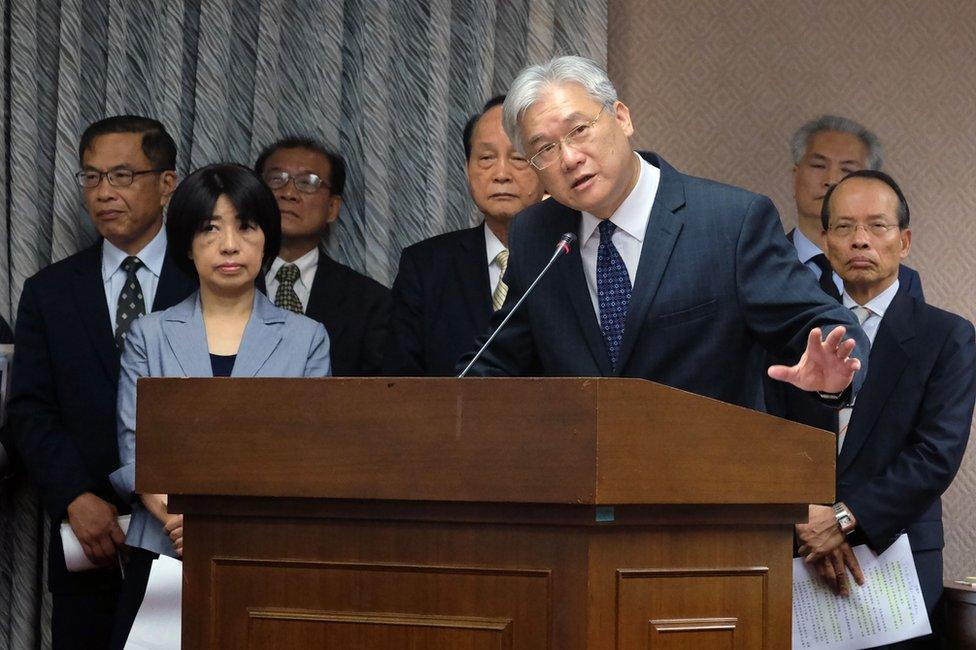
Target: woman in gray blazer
pixel 223 224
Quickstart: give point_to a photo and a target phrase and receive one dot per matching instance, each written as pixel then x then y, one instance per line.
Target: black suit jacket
pixel 63 421
pixel 716 283
pixel 441 303
pixel 355 310
pixel 909 428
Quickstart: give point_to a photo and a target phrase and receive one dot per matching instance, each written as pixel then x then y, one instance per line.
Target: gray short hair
pixel 534 79
pixel 801 139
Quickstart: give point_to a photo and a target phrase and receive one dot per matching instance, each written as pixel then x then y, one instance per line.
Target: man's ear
pixel 906 242
pixel 168 180
pixel 335 204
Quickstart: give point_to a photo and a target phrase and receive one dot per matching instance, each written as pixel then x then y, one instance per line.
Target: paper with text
pixel 887 608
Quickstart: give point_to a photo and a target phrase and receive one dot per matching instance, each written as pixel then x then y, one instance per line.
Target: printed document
pixel 887 608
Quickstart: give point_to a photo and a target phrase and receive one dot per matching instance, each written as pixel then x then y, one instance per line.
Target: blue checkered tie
pixel 613 291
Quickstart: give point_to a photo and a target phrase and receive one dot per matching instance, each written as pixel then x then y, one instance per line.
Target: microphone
pixel 563 247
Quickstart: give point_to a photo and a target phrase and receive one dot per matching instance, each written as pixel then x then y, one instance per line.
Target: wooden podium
pixel 478 513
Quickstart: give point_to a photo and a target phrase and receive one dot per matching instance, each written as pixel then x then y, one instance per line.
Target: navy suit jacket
pixel 63 396
pixel 716 283
pixel 355 310
pixel 909 429
pixel 441 303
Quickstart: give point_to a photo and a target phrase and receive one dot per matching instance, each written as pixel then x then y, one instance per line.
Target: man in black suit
pixel 71 323
pixel 307 178
pixel 676 279
pixel 826 149
pixel 901 444
pixel 448 286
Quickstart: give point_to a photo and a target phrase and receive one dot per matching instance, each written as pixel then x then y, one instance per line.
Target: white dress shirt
pixel 493 246
pixel 152 257
pixel 806 250
pixel 631 220
pixel 307 265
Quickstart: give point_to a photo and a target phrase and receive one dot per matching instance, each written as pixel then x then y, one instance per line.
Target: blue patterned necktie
pixel 131 304
pixel 613 291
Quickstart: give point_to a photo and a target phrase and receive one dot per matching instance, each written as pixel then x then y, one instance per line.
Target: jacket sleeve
pixel 377 332
pixel 780 298
pixel 925 467
pixel 318 363
pixel 53 461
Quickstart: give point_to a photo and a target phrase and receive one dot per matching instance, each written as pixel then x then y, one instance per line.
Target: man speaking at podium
pixel 675 279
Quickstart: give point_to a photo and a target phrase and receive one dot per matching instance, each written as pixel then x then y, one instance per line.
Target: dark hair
pixel 157 144
pixel 902 214
pixel 337 165
pixel 192 205
pixel 497 100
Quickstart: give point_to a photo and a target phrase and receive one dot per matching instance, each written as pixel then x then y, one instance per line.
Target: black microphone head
pixel 565 243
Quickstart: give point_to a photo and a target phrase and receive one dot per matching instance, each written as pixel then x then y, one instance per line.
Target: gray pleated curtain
pixel 389 83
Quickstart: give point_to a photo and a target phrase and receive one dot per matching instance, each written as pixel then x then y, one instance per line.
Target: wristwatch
pixel 845 518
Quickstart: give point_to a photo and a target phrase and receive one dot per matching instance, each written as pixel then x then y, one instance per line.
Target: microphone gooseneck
pixel 563 247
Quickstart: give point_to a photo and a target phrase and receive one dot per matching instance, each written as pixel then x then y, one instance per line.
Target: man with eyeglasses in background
pixel 676 279
pixel 901 444
pixel 71 326
pixel 307 179
pixel 448 286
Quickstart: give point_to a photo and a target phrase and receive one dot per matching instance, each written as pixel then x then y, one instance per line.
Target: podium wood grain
pixel 521 513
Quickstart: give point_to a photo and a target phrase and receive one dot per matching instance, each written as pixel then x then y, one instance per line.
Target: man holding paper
pixel 901 444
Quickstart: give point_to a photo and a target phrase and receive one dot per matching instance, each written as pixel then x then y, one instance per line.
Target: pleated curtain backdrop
pixel 389 83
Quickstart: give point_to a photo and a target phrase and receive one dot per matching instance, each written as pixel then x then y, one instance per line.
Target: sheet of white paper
pixel 888 608
pixel 158 622
pixel 74 555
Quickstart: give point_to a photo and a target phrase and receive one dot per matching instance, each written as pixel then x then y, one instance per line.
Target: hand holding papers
pixel 888 608
pixel 74 555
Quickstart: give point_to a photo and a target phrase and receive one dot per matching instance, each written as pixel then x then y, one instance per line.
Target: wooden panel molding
pixel 697 609
pixel 278 628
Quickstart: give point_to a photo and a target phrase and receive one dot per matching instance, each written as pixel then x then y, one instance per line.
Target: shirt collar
pixel 307 265
pixel 879 304
pixel 805 249
pixel 493 245
pixel 633 214
pixel 152 256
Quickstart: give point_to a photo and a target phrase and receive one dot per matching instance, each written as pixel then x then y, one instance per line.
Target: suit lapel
pixel 173 286
pixel 186 336
pixel 471 267
pixel 261 337
pixel 888 359
pixel 88 293
pixel 578 293
pixel 327 297
pixel 663 227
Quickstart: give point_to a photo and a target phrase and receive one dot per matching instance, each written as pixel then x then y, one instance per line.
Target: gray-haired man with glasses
pixel 71 325
pixel 307 179
pixel 676 279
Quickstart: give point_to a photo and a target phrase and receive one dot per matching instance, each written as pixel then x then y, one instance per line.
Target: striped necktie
pixel 501 289
pixel 844 417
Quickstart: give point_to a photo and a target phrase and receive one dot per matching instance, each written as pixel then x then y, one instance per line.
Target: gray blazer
pixel 173 343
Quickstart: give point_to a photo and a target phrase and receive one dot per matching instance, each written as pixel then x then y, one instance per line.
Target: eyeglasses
pixel 305 182
pixel 550 153
pixel 877 229
pixel 90 178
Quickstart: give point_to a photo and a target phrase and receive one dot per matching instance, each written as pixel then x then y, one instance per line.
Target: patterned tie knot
pixel 287 274
pixel 862 313
pixel 502 259
pixel 606 228
pixel 131 264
